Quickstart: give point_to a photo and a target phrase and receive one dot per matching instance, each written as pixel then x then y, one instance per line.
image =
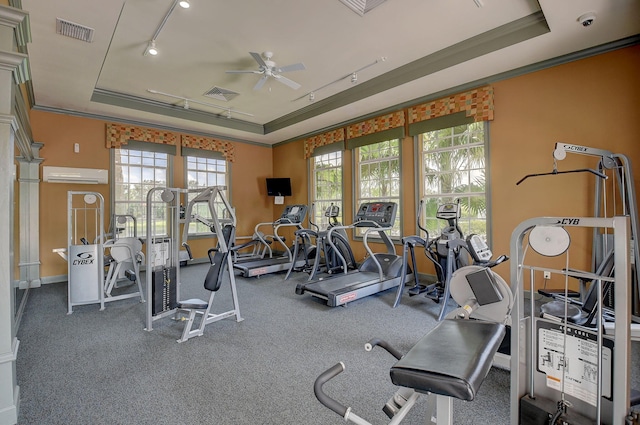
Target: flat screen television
pixel 279 186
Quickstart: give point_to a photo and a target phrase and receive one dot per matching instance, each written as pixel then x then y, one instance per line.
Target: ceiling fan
pixel 268 68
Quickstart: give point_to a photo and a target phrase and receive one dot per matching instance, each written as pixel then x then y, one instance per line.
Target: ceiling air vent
pixel 362 6
pixel 220 94
pixel 73 30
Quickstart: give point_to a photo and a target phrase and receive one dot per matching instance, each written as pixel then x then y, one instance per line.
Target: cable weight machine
pixel 164 259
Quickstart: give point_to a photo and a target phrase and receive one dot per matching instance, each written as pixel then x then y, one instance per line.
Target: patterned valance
pixel 118 135
pixel 323 139
pixel 210 144
pixel 376 125
pixel 476 103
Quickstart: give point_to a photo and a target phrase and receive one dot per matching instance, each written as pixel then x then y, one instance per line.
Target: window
pixel 453 167
pixel 136 172
pixel 204 172
pixel 378 176
pixel 326 181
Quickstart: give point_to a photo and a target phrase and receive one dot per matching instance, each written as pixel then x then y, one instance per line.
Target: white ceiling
pixel 429 45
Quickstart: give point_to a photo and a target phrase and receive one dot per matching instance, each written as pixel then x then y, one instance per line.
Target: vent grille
pixel 220 94
pixel 77 31
pixel 362 6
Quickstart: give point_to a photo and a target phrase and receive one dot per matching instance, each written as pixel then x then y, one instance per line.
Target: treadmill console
pixel 294 214
pixel 372 214
pixel 448 211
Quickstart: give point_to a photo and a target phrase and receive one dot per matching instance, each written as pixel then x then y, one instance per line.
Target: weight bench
pixel 450 362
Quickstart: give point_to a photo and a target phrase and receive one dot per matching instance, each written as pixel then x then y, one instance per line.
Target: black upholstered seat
pixel 451 360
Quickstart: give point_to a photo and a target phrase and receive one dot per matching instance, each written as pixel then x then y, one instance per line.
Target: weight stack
pixel 164 290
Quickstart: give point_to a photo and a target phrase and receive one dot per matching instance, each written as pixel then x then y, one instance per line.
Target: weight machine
pixel 606 204
pixel 561 370
pixel 86 259
pixel 163 257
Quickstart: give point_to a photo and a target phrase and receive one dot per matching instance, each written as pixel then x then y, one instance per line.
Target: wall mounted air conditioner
pixel 74 175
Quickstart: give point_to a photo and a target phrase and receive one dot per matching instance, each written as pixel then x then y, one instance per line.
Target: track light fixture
pixel 187 103
pixel 352 75
pixel 151 49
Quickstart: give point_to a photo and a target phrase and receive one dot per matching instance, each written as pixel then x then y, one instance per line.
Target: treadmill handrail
pixel 365 237
pixel 279 239
pixel 374 228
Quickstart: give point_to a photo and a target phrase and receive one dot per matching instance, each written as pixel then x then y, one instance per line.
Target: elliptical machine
pixel 327 255
pixel 445 253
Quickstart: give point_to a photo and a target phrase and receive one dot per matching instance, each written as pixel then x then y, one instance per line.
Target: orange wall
pixel 591 102
pixel 59 133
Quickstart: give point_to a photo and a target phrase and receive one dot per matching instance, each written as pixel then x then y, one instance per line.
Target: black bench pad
pixel 452 360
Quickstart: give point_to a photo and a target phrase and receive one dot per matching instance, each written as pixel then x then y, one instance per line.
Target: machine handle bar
pixel 384 344
pixel 322 397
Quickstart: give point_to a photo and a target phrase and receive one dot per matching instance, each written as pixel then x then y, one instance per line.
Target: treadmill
pixel 379 272
pixel 292 216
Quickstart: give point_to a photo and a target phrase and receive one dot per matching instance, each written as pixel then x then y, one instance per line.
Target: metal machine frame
pixel 163 248
pixel 523 333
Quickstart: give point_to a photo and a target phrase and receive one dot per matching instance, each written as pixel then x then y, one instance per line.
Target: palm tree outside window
pixel 453 167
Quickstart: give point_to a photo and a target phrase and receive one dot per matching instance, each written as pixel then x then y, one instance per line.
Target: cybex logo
pixel 574 148
pixel 569 221
pixel 84 258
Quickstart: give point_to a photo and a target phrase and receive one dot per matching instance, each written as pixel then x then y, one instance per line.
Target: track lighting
pixel 188 102
pixel 353 76
pixel 151 49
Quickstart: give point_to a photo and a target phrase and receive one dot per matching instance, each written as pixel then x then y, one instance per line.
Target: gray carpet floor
pixel 102 367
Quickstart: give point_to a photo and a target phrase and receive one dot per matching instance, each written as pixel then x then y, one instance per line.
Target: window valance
pixel 476 104
pixel 334 138
pixel 210 144
pixel 374 130
pixel 119 135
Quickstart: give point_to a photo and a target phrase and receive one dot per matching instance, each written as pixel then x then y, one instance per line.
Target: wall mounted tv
pixel 279 186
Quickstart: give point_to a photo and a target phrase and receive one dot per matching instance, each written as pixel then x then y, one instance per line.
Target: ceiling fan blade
pixel 244 72
pixel 258 59
pixel 292 67
pixel 288 82
pixel 260 82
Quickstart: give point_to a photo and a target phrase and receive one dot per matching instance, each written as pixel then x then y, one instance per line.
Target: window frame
pixel 319 219
pixel 396 234
pixel 143 147
pixel 203 156
pixel 419 155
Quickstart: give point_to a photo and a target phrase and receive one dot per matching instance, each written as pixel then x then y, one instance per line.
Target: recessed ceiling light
pixel 184 4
